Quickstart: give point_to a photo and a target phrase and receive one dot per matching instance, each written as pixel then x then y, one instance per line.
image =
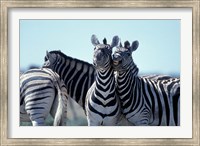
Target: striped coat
pixel 77 75
pixel 153 100
pixel 42 92
pixel 103 106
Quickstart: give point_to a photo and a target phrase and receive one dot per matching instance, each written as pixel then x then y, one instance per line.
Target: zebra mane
pixel 73 59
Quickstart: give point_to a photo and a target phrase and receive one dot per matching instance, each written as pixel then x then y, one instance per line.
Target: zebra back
pixel 78 75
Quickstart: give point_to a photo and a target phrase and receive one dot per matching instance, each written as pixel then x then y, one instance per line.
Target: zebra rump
pixel 42 92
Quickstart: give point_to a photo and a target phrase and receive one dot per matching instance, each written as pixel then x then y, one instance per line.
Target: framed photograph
pixel 168 36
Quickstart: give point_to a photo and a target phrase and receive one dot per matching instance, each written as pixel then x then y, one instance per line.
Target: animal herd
pixel 110 91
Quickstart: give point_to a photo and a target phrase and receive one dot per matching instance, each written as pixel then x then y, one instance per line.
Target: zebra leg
pixel 38 122
pixel 38 116
pixel 176 106
pixel 122 121
pixel 141 123
pixel 141 119
pixel 90 121
pixel 93 123
pixel 178 112
pixel 24 117
pixel 93 120
pixel 39 110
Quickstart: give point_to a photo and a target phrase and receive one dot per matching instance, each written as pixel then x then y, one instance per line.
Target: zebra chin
pixel 119 68
pixel 117 65
pixel 102 66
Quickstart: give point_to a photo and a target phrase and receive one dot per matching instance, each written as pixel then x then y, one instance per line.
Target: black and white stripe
pixel 103 107
pixel 42 92
pixel 78 75
pixel 150 100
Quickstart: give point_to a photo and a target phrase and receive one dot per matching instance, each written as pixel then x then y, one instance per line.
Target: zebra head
pixel 122 57
pixel 102 57
pixel 51 59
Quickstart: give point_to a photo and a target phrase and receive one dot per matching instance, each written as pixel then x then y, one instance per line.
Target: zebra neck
pixel 105 86
pixel 105 77
pixel 78 77
pixel 127 80
pixel 131 72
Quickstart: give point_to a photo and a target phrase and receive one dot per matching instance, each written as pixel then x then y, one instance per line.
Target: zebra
pixel 77 75
pixel 42 91
pixel 102 106
pixel 150 100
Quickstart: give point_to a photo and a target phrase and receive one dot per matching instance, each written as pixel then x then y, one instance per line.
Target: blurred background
pixel 158 51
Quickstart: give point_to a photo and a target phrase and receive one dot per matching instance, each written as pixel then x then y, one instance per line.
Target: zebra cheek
pixel 51 59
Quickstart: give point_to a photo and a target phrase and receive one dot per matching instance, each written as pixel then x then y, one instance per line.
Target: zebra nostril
pixel 116 56
pixel 116 59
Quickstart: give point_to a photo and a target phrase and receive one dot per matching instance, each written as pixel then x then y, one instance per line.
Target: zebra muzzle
pixel 115 62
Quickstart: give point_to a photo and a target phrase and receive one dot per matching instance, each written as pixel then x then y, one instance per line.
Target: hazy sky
pixel 158 51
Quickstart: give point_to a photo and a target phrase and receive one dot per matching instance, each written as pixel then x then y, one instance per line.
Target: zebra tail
pixel 59 116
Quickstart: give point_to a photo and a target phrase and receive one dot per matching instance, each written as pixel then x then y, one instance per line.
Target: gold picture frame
pixel 5 5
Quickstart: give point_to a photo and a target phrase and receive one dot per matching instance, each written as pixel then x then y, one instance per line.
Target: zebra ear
pixel 134 46
pixel 120 45
pixel 115 41
pixel 94 40
pixel 47 54
pixel 104 41
pixel 127 45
